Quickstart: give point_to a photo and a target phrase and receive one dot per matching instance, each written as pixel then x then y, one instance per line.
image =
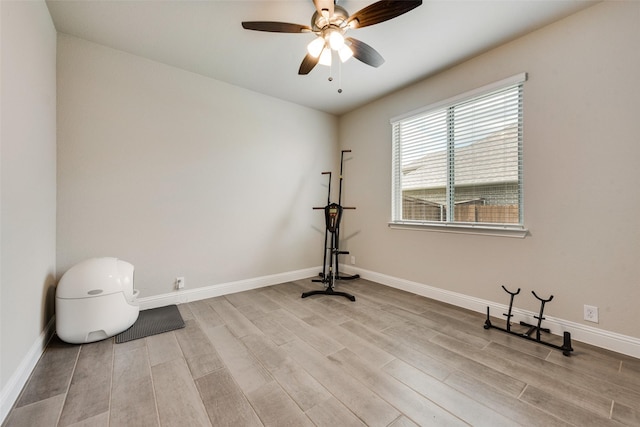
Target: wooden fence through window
pixel 424 210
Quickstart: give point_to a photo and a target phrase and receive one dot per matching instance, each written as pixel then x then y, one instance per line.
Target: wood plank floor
pixel 268 357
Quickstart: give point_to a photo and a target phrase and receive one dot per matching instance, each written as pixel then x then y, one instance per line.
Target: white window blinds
pixel 460 161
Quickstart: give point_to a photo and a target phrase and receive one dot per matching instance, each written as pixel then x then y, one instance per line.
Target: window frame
pixel 497 229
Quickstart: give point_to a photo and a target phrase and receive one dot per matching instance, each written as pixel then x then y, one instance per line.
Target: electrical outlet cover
pixel 591 313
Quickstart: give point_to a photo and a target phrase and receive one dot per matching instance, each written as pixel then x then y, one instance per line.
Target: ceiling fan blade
pixel 308 63
pixel 365 53
pixel 275 27
pixel 381 11
pixel 324 5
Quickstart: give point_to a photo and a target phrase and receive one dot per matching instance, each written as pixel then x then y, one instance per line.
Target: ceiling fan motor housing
pixel 339 19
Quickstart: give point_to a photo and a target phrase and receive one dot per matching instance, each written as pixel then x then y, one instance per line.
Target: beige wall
pixel 28 179
pixel 182 175
pixel 581 172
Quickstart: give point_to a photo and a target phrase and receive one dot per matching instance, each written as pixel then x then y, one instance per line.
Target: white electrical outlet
pixel 179 282
pixel 353 259
pixel 591 313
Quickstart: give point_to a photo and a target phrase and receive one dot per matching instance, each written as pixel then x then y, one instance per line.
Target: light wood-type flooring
pixel 268 357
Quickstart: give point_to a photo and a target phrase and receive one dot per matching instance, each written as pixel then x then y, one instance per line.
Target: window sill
pixel 481 229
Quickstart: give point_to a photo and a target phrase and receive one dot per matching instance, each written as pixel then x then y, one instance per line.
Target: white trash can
pixel 95 299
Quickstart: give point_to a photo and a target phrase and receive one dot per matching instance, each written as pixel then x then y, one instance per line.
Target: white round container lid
pixel 95 277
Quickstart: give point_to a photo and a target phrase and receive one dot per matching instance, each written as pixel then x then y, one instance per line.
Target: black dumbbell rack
pixel 566 345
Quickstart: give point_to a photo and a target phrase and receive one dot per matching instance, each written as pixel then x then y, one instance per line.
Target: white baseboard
pixel 11 391
pixel 188 295
pixel 583 333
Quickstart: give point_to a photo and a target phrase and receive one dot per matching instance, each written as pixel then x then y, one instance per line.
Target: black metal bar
pixel 540 317
pixel 329 291
pixel 341 163
pixel 338 275
pixel 509 315
pixel 566 344
pixel 487 323
pixel 326 231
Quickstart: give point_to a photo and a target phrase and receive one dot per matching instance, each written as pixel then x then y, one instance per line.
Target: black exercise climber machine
pixel 332 216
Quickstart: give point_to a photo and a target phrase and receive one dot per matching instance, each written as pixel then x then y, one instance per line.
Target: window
pixel 459 163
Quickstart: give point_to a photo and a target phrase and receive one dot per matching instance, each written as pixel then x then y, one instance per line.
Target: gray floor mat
pixel 151 322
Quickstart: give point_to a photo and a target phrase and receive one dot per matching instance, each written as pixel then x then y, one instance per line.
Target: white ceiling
pixel 206 37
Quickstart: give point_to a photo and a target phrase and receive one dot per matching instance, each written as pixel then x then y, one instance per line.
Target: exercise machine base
pixel 329 291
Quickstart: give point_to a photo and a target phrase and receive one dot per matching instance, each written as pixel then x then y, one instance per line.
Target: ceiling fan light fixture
pixel 315 47
pixel 325 57
pixel 330 23
pixel 345 53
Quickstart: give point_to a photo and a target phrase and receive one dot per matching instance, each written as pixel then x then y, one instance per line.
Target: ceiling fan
pixel 330 22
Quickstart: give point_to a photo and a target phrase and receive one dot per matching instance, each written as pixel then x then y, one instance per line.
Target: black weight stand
pixel 332 216
pixel 566 345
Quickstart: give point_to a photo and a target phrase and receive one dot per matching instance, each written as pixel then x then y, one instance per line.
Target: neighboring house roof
pixel 499 151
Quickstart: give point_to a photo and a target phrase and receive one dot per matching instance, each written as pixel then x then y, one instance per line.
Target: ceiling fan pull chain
pixel 340 77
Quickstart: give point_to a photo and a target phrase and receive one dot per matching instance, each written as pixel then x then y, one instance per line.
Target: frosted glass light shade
pixel 315 47
pixel 325 57
pixel 336 40
pixel 345 53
